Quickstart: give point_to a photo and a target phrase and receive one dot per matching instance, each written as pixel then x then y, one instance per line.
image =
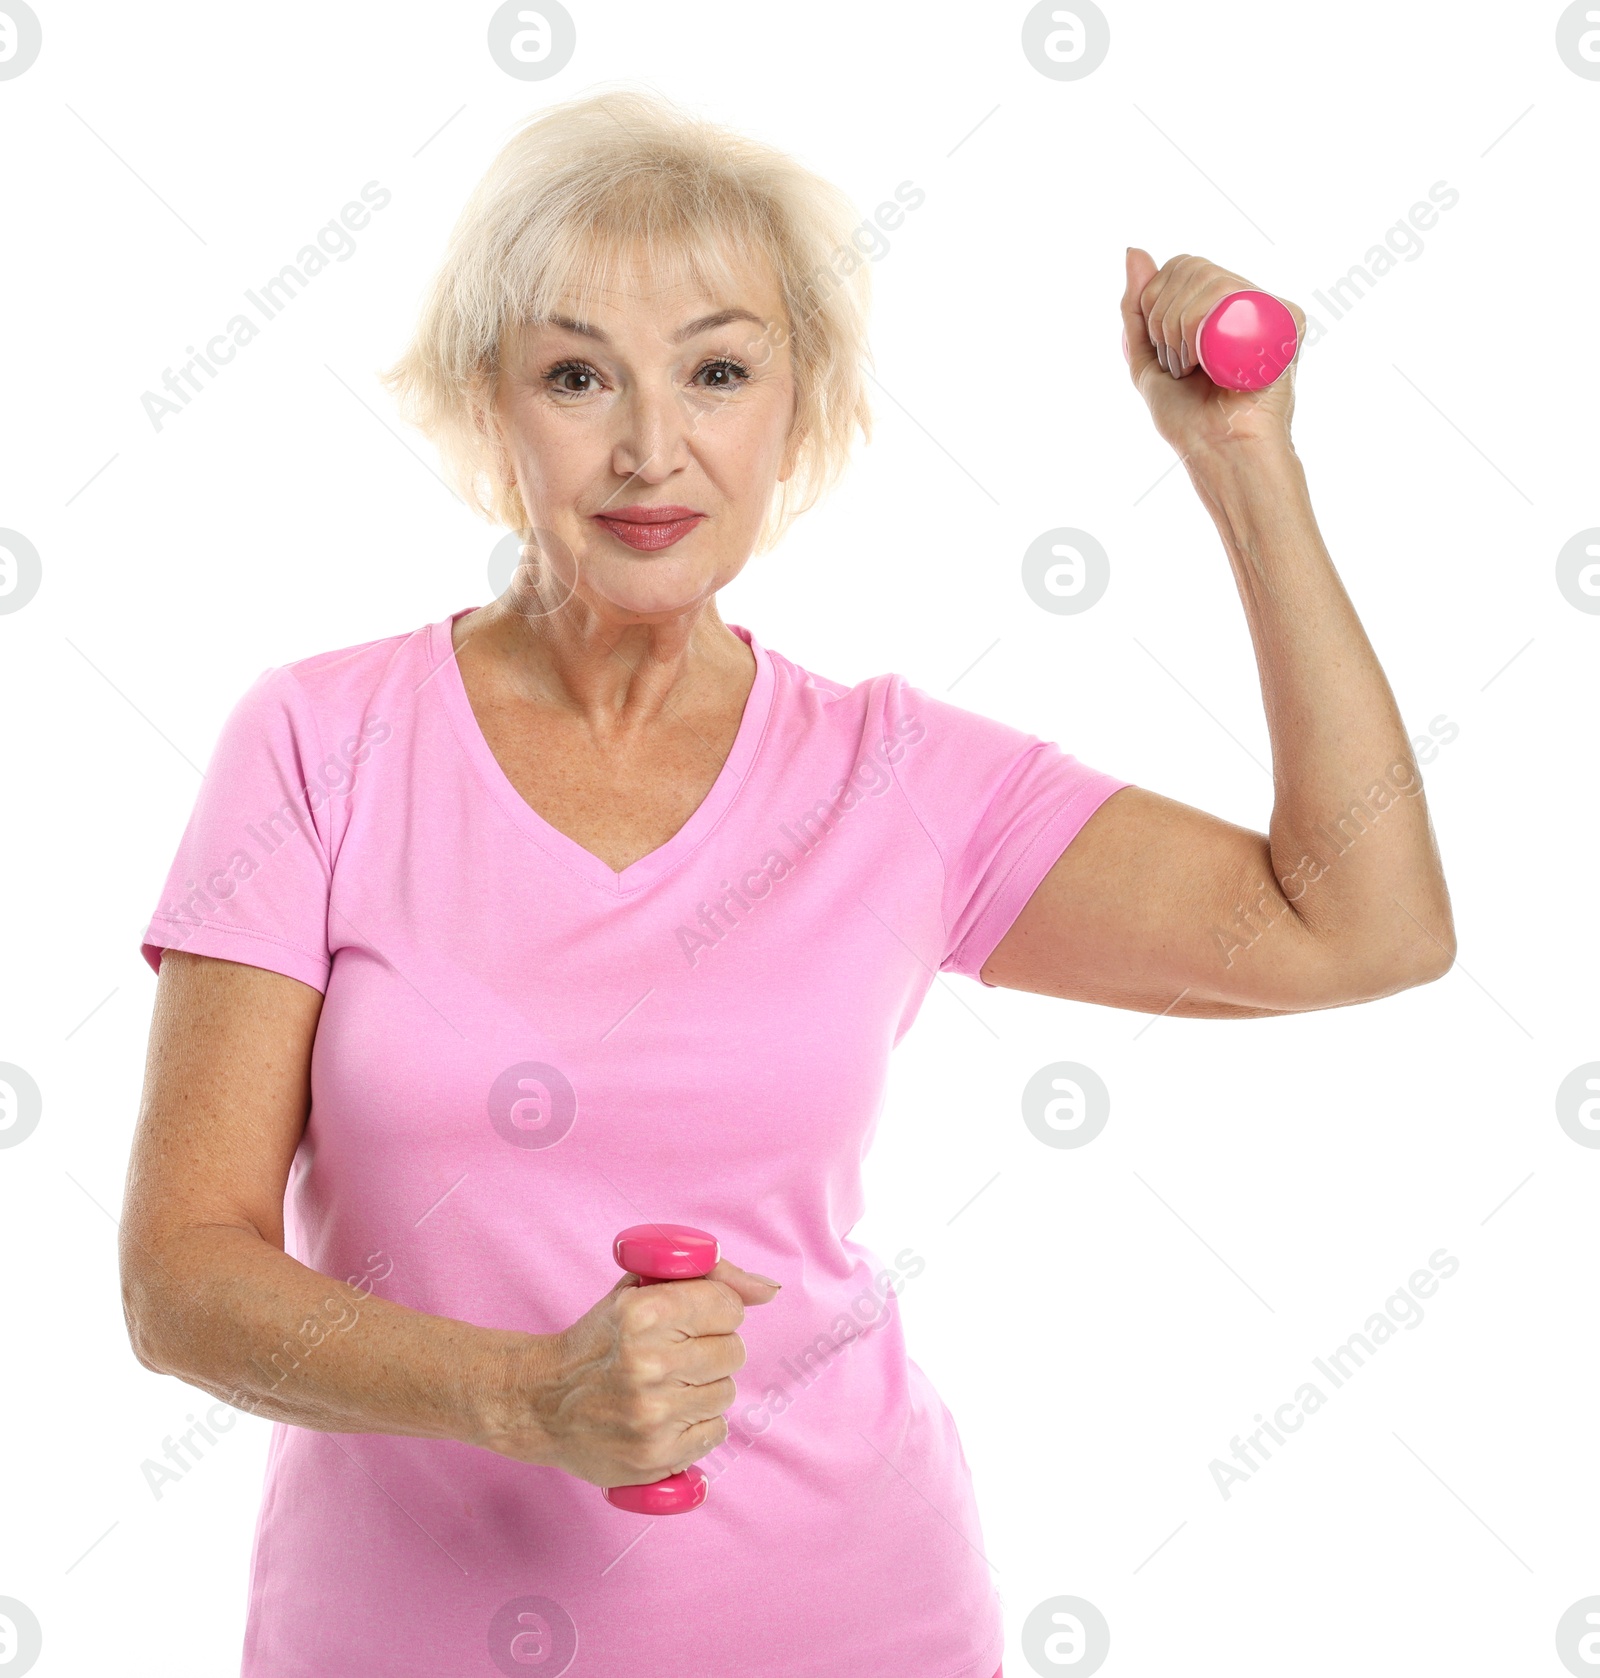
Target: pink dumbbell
pixel 664 1253
pixel 1245 342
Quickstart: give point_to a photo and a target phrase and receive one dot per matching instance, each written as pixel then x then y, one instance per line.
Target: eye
pixel 735 373
pixel 727 374
pixel 568 369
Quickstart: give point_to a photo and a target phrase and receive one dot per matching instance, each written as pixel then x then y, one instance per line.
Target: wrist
pixel 1244 459
pixel 498 1406
pixel 1257 497
pixel 1243 482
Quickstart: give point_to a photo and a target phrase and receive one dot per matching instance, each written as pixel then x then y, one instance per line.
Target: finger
pixel 698 1364
pixel 1298 315
pixel 700 1441
pixel 689 1402
pixel 1177 322
pixel 1182 307
pixel 707 1305
pixel 752 1287
pixel 1172 278
pixel 693 1442
pixel 699 1401
pixel 711 1304
pixel 1139 271
pixel 1188 314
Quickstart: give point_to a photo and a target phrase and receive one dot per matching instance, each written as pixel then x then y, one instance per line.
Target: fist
pixel 1162 309
pixel 637 1388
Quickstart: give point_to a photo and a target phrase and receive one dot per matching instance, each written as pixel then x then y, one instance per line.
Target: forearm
pixel 226 1311
pixel 1352 847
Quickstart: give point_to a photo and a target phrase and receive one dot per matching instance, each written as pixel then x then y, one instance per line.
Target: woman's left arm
pixel 1160 907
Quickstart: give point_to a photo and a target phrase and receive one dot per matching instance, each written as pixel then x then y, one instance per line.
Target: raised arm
pixel 1159 907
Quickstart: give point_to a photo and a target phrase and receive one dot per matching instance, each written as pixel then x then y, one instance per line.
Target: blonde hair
pixel 552 222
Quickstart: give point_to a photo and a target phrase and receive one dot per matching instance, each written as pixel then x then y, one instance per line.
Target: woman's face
pixel 654 400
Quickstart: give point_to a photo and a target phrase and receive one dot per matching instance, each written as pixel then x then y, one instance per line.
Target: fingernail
pixel 768 1280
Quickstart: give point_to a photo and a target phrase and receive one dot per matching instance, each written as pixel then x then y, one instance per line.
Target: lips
pixel 650 528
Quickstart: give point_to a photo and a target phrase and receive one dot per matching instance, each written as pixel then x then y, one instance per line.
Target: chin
pixel 650 590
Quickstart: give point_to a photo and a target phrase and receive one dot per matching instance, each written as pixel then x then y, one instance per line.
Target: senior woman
pixel 584 908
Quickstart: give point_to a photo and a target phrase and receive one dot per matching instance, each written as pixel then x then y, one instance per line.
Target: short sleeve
pixel 251 878
pixel 999 805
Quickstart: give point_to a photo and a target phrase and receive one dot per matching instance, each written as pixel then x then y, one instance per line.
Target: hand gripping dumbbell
pixel 1245 342
pixel 664 1253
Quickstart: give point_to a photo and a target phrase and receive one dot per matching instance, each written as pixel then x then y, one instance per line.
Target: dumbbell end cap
pixel 1247 341
pixel 675 1495
pixel 666 1252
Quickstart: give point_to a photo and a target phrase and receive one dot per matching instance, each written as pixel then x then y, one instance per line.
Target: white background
pixel 1102 1320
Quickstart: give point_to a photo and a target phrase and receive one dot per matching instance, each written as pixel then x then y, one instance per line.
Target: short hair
pixel 553 219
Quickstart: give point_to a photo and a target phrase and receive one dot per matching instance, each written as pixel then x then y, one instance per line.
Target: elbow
pixel 1444 960
pixel 1420 963
pixel 144 1355
pixel 145 1313
pixel 142 1339
pixel 1345 976
pixel 1430 953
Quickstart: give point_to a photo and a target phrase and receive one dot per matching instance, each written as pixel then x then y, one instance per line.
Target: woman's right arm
pixel 211 1296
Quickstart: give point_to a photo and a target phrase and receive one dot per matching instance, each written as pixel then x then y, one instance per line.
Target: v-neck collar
pixel 558 845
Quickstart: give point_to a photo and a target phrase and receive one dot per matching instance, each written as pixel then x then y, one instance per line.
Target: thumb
pixel 752 1288
pixel 1140 270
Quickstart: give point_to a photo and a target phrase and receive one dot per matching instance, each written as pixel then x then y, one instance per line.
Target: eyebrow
pixel 705 324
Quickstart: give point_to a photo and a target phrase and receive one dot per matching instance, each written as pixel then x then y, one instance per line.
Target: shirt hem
pixel 986 1665
pixel 1026 874
pixel 251 949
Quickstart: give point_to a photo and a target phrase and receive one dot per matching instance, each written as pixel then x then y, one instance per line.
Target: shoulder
pixel 362 689
pixel 891 708
pixel 885 696
pixel 360 671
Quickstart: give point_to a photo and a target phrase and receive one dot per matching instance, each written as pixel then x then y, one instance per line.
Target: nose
pixel 654 424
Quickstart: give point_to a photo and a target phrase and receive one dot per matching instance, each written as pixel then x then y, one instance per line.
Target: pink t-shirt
pixel 521 1052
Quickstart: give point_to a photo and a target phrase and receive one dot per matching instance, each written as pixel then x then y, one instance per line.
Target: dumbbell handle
pixel 664 1253
pixel 1245 342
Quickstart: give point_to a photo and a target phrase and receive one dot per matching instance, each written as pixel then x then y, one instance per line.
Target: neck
pixel 607 666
